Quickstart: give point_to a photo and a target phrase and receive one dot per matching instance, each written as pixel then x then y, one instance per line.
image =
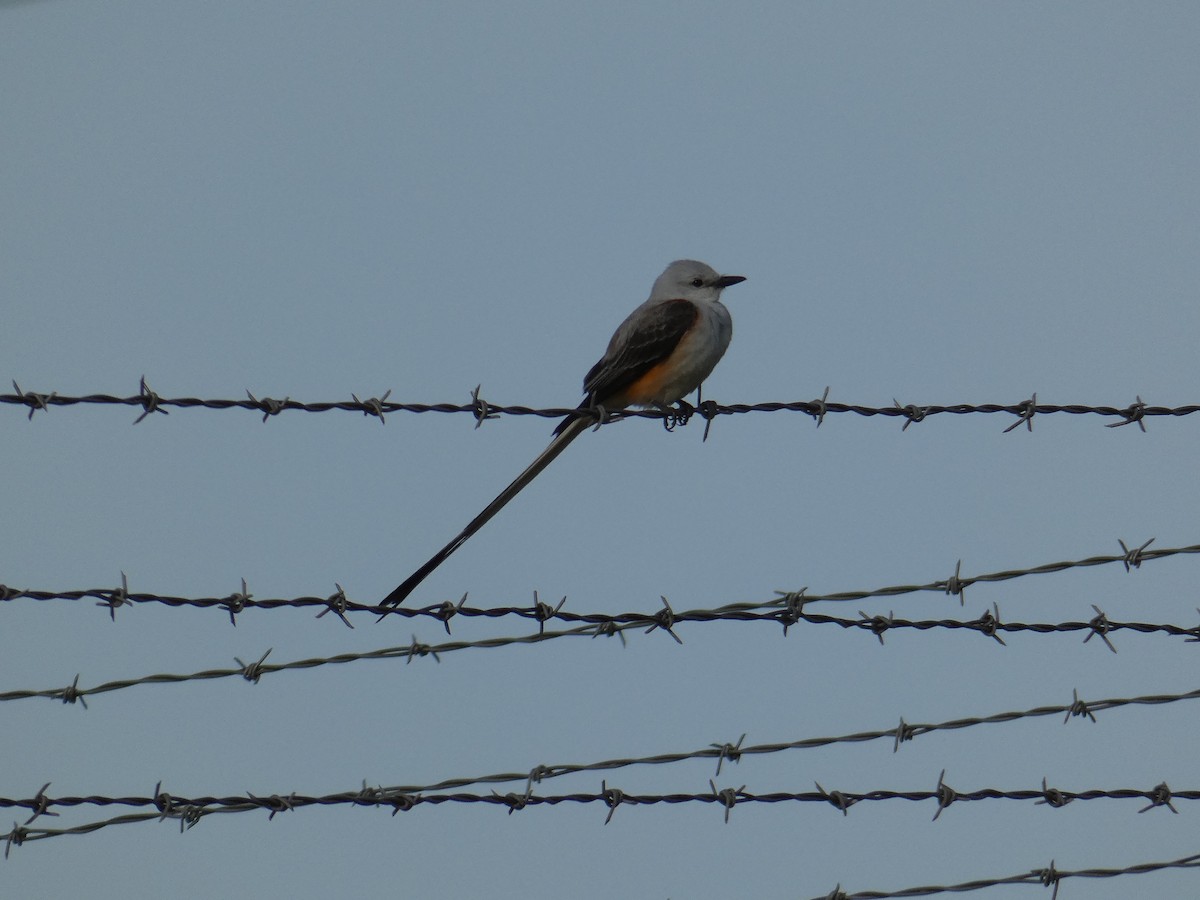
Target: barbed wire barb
pixel 374 406
pixel 338 604
pixel 149 401
pixel 482 410
pixel 820 407
pixel 35 402
pixel 1078 708
pixel 945 795
pixel 912 413
pixel 1133 557
pixel 1053 797
pixel 731 752
pixel 118 597
pixel 1100 627
pixel 252 672
pixel 268 406
pixel 236 602
pixel 1025 413
pixel 1135 413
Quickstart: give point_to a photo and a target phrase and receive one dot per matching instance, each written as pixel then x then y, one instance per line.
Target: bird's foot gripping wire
pixel 603 416
pixel 674 416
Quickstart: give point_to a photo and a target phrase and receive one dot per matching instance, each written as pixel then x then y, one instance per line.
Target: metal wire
pixel 189 810
pixel 989 624
pixel 788 607
pixel 254 671
pixel 379 406
pixel 1047 877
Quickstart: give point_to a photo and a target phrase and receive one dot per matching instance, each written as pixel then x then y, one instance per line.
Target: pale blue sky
pixel 934 202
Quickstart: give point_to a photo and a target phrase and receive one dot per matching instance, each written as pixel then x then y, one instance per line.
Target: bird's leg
pixel 706 408
pixel 602 416
pixel 668 415
pixel 675 415
pixel 684 410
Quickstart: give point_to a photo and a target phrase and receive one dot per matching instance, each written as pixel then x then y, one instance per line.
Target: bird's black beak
pixel 726 280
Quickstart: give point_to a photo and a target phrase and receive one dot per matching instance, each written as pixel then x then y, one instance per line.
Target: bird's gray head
pixel 689 279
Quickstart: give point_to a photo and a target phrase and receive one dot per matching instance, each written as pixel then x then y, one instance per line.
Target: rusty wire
pixel 150 402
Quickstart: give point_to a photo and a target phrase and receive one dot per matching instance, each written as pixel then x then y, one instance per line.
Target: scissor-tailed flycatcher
pixel 658 355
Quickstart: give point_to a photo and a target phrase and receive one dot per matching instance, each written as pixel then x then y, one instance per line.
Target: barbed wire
pixel 189 810
pixel 666 620
pixel 379 406
pixel 787 607
pixel 989 624
pixel 730 752
pixel 254 671
pixel 1050 876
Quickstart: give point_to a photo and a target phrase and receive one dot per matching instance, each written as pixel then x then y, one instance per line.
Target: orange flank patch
pixel 648 387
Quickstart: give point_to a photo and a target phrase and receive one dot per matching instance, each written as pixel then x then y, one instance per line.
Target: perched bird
pixel 661 353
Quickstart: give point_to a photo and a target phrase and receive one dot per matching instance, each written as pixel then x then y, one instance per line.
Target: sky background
pixel 936 203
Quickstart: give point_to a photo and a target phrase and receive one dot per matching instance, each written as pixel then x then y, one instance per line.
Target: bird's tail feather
pixel 567 431
pixel 571 420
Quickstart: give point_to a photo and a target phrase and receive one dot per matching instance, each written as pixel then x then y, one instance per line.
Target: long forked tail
pixel 566 432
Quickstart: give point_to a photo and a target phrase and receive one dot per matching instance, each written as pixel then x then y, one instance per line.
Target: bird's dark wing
pixel 640 344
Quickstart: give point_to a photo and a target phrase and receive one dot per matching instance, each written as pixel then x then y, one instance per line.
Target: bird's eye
pixel 697 282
